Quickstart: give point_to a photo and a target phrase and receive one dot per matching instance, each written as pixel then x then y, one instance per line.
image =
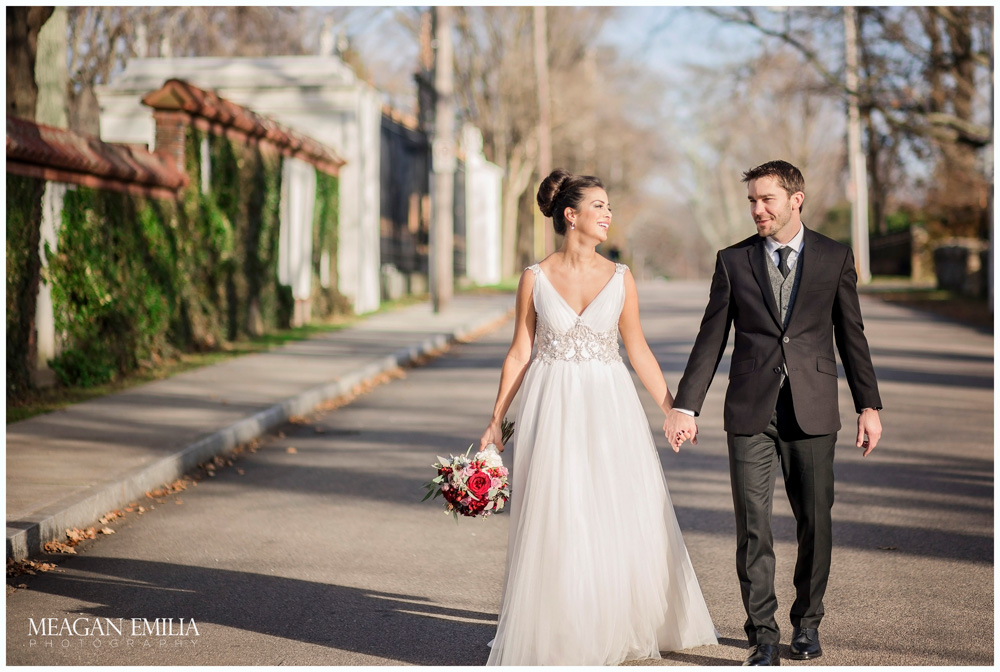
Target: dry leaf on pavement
pixel 58 547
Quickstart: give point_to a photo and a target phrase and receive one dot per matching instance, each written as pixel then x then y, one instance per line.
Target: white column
pixel 350 205
pixel 483 182
pixel 45 325
pixel 295 239
pixel 369 294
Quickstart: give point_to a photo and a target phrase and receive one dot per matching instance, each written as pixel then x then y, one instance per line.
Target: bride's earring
pixel 572 225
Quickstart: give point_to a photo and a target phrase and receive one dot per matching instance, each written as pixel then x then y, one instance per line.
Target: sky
pixel 664 38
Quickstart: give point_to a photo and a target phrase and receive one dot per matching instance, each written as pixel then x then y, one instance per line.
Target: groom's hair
pixel 789 177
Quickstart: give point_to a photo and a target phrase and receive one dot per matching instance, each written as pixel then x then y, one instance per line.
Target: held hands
pixel 678 428
pixel 869 430
pixel 492 435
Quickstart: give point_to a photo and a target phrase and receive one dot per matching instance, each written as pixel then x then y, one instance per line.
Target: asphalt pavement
pixel 315 549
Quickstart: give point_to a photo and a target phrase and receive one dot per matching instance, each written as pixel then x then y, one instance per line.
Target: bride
pixel 597 571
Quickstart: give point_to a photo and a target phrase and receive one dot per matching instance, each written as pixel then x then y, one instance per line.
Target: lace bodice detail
pixel 578 344
pixel 583 340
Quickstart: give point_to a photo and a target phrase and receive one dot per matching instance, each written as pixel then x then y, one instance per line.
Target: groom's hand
pixel 678 428
pixel 869 430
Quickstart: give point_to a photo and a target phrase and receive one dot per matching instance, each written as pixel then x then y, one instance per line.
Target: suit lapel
pixel 812 256
pixel 758 263
pixel 810 259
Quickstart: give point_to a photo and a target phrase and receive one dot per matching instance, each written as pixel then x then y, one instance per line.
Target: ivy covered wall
pixel 135 280
pixel 24 217
pixel 326 301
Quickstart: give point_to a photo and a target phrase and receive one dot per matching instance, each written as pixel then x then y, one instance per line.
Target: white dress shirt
pixel 771 246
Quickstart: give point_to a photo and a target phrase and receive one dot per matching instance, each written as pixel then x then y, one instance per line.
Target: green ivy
pixel 326 301
pixel 138 279
pixel 135 280
pixel 111 286
pixel 24 217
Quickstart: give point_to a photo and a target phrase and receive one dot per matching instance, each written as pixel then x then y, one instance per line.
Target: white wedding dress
pixel 597 571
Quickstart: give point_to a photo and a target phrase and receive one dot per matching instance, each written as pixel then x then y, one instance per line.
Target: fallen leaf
pixel 111 515
pixel 76 535
pixel 240 472
pixel 107 530
pixel 29 567
pixel 59 547
pixel 291 450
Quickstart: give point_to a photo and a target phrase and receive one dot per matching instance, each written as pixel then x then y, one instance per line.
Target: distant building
pixel 317 95
pixel 383 209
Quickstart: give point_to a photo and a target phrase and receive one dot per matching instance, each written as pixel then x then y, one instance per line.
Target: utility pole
pixel 855 159
pixel 443 164
pixel 547 240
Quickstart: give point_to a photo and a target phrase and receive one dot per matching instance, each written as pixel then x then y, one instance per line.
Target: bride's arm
pixel 639 354
pixel 516 361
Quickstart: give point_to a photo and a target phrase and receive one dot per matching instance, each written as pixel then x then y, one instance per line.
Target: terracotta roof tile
pixel 62 149
pixel 176 94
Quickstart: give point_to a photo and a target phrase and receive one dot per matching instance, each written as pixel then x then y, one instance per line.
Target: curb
pixel 51 522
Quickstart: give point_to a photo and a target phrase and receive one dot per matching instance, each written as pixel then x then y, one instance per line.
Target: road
pixel 316 549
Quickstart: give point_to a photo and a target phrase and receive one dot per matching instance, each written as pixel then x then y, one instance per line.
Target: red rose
pixel 476 508
pixel 478 484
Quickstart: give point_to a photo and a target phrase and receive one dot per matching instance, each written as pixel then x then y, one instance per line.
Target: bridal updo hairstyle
pixel 561 190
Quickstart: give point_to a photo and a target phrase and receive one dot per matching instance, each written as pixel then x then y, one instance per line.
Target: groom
pixel 791 294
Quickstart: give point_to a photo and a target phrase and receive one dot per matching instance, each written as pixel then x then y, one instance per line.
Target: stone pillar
pixel 171 128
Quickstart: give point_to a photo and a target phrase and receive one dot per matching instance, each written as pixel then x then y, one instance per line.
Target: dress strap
pixel 620 268
pixel 534 268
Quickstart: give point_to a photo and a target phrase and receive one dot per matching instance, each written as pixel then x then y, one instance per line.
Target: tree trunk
pixel 519 170
pixel 24 227
pixel 23 24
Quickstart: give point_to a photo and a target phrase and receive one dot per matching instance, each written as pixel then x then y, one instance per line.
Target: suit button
pixel 777 369
pixel 785 339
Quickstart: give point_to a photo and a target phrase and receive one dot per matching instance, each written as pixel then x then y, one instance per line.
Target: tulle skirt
pixel 597 571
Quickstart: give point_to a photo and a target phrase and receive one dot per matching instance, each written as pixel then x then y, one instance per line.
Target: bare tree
pixel 103 39
pixel 744 115
pixel 605 111
pixel 492 58
pixel 926 86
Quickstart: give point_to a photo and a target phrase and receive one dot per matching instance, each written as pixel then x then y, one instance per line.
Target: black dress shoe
pixel 763 654
pixel 805 644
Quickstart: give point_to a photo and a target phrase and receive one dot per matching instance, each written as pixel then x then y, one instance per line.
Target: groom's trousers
pixel 807 466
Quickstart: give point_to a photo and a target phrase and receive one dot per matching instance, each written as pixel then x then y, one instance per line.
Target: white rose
pixel 490 457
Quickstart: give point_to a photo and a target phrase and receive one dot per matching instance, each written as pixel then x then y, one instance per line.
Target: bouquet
pixel 474 486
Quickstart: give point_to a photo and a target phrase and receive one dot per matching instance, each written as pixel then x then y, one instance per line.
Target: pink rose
pixel 496 482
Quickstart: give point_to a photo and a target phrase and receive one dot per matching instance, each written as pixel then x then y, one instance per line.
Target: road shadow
pixel 405 628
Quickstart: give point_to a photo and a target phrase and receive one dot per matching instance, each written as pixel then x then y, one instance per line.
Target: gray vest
pixel 784 290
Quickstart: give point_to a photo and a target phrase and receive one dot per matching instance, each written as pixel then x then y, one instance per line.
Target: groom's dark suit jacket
pixel 825 311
